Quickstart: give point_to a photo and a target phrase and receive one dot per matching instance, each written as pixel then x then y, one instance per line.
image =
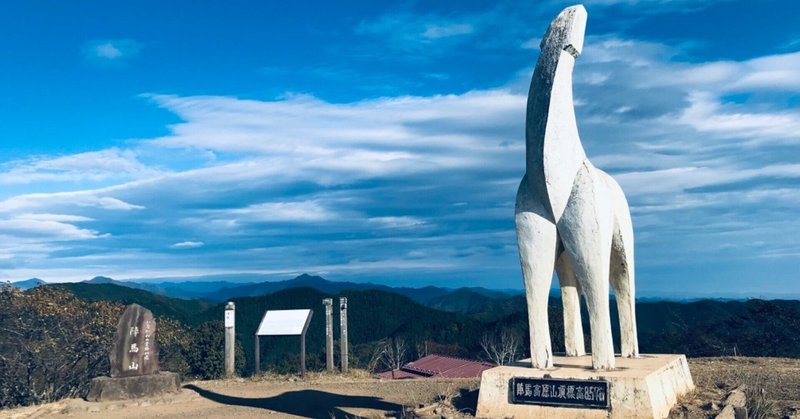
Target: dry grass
pixel 772 386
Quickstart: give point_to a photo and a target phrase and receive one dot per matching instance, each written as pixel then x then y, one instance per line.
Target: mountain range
pixel 452 322
pixel 218 290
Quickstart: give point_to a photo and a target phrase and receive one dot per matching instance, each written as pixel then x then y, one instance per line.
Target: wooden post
pixel 303 355
pixel 258 356
pixel 343 327
pixel 230 338
pixel 303 344
pixel 328 302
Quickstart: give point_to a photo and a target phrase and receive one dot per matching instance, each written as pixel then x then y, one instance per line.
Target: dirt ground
pixel 318 396
pixel 329 396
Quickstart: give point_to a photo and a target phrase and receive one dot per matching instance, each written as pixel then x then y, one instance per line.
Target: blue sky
pixel 383 141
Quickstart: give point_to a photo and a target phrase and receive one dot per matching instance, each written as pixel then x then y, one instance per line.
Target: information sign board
pixel 230 318
pixel 560 392
pixel 284 322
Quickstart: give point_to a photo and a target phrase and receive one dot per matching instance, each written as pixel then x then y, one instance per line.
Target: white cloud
pixel 310 137
pixel 434 31
pixel 54 217
pixel 423 35
pixel 47 228
pixel 111 50
pixel 94 166
pixel 306 211
pixel 774 72
pixel 397 222
pixel 107 50
pixel 707 115
pixel 89 198
pixel 188 245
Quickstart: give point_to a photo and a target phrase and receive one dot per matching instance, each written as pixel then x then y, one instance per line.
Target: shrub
pixel 51 344
pixel 205 352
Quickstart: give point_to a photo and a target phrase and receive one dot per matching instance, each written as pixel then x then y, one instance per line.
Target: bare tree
pixel 422 349
pixel 394 354
pixel 377 357
pixel 500 348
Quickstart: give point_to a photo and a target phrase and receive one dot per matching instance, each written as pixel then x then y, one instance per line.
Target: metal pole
pixel 230 338
pixel 328 302
pixel 343 327
pixel 258 357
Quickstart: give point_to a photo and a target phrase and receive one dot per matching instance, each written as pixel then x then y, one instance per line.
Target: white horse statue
pixel 571 216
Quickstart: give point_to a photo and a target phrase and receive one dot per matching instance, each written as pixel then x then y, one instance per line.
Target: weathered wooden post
pixel 230 338
pixel 328 302
pixel 343 327
pixel 303 354
pixel 258 356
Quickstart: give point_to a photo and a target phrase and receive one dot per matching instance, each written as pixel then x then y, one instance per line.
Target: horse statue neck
pixel 553 147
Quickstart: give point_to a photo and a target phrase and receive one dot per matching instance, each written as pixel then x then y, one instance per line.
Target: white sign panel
pixel 230 318
pixel 283 322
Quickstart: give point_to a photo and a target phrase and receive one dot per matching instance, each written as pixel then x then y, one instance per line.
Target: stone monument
pixel 134 361
pixel 573 218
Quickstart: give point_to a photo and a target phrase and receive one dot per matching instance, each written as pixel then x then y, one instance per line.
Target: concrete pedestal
pixel 645 387
pixel 124 388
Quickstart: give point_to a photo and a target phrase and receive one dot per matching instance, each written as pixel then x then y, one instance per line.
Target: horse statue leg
pixel 571 301
pixel 536 237
pixel 586 230
pixel 622 269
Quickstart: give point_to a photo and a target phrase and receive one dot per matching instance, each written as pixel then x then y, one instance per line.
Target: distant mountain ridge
pixel 28 283
pixel 421 295
pixel 101 280
pixel 218 291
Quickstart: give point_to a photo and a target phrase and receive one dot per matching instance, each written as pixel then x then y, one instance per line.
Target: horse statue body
pixel 570 216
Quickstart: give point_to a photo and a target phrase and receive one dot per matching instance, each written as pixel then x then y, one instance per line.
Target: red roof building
pixel 438 366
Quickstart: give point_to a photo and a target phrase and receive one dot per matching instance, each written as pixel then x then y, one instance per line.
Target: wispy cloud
pixel 410 32
pixel 86 199
pixel 434 31
pixel 188 245
pixel 46 226
pixel 108 51
pixel 95 166
pixel 280 212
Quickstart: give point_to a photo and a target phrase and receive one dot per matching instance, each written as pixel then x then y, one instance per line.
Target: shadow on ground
pixel 307 403
pixel 466 401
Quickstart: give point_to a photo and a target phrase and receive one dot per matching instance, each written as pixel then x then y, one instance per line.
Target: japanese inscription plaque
pixel 560 392
pixel 135 351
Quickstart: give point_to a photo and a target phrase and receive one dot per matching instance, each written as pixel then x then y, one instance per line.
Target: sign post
pixel 230 338
pixel 284 323
pixel 328 303
pixel 258 356
pixel 343 327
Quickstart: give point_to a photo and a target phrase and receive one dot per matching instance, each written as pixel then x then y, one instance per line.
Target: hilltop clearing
pixel 323 395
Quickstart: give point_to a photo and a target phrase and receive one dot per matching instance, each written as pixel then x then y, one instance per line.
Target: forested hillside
pixel 179 309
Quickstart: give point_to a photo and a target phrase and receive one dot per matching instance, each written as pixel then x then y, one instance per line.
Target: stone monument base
pixel 124 388
pixel 644 387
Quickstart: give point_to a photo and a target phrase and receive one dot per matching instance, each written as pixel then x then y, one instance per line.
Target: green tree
pixel 205 354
